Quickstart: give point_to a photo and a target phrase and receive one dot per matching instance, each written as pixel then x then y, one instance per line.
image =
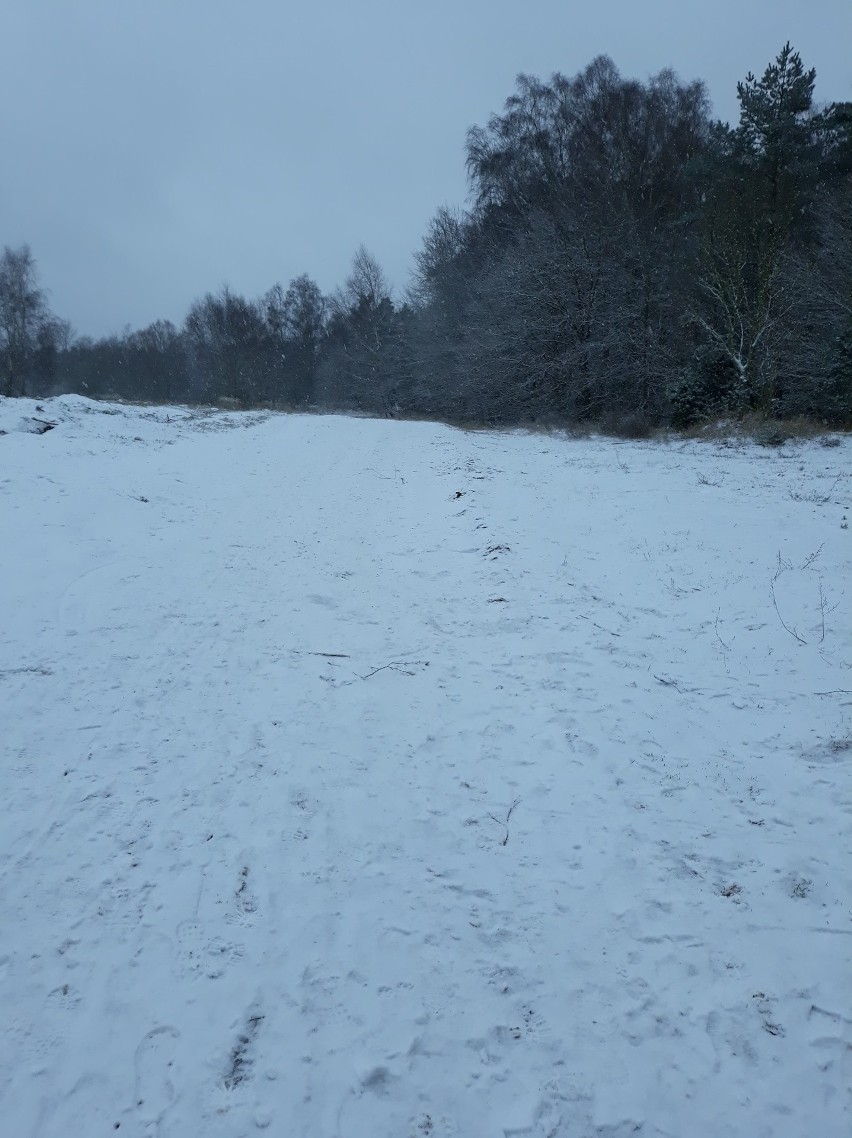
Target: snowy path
pixel 378 780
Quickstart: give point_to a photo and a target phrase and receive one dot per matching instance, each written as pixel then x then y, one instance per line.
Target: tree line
pixel 626 261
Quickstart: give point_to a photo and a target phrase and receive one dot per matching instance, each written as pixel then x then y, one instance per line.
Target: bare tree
pixel 361 367
pixel 744 299
pixel 226 338
pixel 29 333
pixel 297 320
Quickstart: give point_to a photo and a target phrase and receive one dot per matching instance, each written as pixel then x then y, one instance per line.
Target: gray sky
pixel 156 149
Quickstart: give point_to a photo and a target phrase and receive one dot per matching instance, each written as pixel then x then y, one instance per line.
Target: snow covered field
pixel 381 780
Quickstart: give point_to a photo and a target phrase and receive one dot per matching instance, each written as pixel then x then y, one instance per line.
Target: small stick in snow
pixel 505 823
pixel 783 566
pixel 667 682
pixel 784 624
pixel 376 671
pixel 327 655
pixel 823 608
pixel 727 647
pixel 811 558
pixel 401 666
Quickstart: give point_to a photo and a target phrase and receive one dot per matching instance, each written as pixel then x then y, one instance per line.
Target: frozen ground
pixel 378 780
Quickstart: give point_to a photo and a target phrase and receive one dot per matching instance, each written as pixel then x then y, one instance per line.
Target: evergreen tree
pixel 777 135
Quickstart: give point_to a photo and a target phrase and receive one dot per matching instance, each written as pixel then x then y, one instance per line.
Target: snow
pixel 382 780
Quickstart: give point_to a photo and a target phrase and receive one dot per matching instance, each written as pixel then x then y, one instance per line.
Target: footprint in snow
pixel 64 998
pixel 246 902
pixel 155 1075
pixel 830 1034
pixel 322 601
pixel 190 948
pixel 241 1060
pixel 200 956
pixel 375 1106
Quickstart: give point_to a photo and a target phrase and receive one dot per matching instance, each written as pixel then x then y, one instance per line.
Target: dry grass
pixel 762 430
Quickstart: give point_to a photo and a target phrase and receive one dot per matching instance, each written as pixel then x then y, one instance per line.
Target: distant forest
pixel 626 261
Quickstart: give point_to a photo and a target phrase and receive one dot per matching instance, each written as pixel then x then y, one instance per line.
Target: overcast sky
pixel 153 150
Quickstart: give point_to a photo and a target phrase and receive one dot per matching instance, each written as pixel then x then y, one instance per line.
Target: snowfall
pixel 368 779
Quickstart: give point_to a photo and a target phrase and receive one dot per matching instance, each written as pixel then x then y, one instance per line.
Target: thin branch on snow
pixel 505 822
pixel 667 682
pixel 403 667
pixel 811 558
pixel 784 624
pixel 783 566
pixel 327 655
pixel 727 647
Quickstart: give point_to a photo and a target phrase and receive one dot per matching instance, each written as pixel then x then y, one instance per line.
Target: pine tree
pixel 777 134
pixel 759 208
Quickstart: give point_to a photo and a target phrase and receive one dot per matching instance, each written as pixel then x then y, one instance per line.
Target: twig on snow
pixel 784 624
pixel 505 823
pixel 783 566
pixel 401 666
pixel 397 666
pixel 327 655
pixel 727 647
pixel 666 682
